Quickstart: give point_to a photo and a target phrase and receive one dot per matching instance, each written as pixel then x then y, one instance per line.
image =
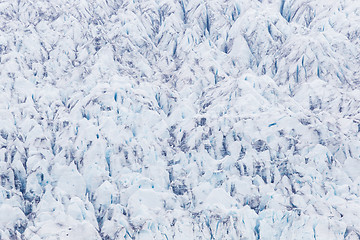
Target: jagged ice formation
pixel 177 119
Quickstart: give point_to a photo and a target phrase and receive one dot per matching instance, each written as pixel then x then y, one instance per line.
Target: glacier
pixel 178 119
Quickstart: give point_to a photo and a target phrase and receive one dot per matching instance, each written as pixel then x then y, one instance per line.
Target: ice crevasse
pixel 180 119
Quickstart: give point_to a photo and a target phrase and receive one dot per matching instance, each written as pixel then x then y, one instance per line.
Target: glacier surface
pixel 178 119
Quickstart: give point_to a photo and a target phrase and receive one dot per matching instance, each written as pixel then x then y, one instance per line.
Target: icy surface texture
pixel 179 119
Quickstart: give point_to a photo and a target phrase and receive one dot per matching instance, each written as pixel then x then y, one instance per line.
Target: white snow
pixel 179 119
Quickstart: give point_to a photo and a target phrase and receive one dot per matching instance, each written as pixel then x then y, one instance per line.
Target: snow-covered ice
pixel 178 119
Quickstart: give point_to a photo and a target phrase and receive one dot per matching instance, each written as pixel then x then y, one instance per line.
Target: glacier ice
pixel 180 119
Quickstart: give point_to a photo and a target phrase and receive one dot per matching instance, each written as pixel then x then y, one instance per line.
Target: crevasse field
pixel 180 119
